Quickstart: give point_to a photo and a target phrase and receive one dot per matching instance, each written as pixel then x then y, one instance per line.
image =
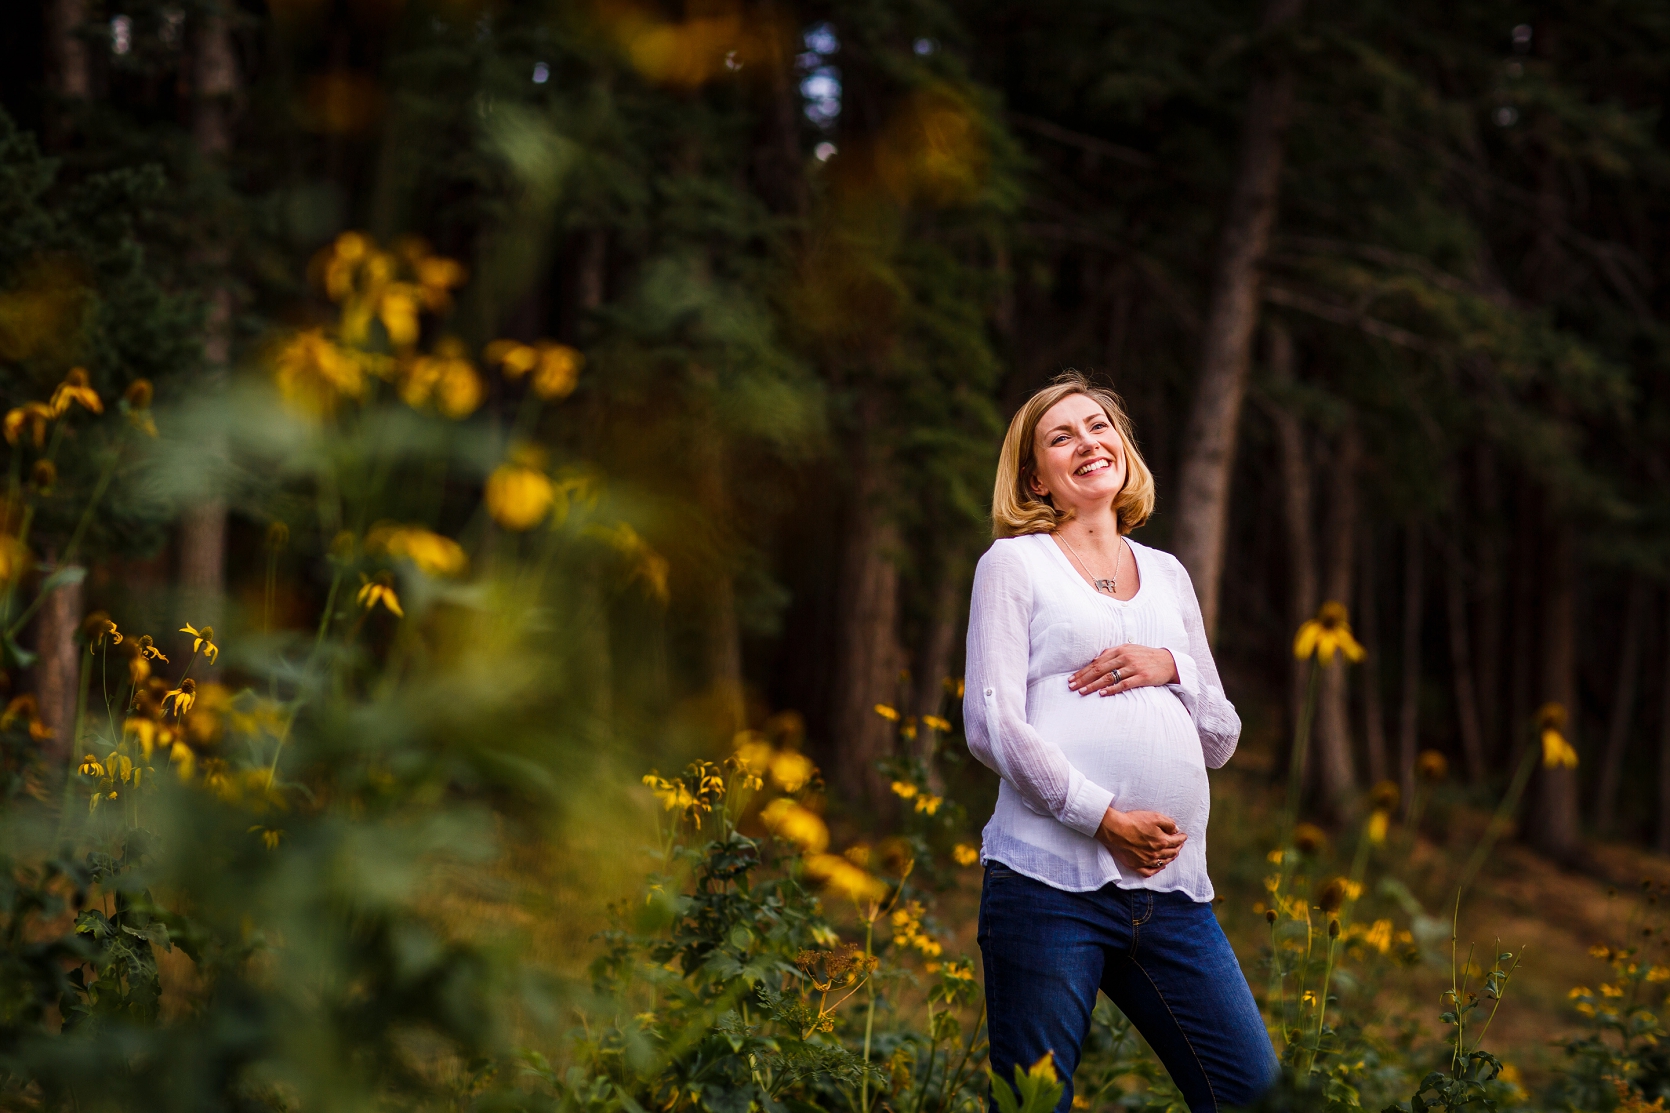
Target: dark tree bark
pixel 1488 644
pixel 1414 602
pixel 1623 706
pixel 203 526
pixel 1336 770
pixel 1461 671
pixel 867 651
pixel 1368 620
pixel 1553 823
pixel 69 77
pixel 1295 465
pixel 58 672
pixel 1208 450
pixel 1663 840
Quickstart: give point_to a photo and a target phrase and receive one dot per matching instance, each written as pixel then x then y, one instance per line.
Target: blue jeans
pixel 1161 957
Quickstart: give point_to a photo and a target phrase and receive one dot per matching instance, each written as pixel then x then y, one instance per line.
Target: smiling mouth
pixel 1093 466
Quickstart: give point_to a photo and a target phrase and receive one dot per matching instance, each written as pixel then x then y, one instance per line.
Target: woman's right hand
pixel 1144 842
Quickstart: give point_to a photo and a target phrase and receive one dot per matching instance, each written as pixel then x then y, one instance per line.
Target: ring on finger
pixel 1116 674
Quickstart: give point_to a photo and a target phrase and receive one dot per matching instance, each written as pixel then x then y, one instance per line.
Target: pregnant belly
pixel 1140 745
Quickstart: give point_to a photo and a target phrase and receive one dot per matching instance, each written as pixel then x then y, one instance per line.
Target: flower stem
pixel 1301 742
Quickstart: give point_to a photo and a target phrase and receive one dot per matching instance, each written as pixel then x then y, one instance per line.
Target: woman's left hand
pixel 1122 667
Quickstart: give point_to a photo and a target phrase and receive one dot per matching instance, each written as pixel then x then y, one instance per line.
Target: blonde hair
pixel 1016 510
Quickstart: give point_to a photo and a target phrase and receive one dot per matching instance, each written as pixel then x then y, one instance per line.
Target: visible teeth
pixel 1094 465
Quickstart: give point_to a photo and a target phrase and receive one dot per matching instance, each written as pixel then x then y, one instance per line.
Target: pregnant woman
pixel 1092 693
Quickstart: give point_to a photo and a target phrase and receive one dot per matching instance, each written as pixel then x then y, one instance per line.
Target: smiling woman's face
pixel 1078 455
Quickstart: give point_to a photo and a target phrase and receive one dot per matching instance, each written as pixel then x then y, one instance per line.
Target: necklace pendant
pixel 1109 586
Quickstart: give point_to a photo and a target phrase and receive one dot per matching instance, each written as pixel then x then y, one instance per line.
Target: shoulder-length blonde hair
pixel 1016 510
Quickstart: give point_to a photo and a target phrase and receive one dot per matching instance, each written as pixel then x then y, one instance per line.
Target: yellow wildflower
pixel 928 804
pixel 904 789
pixel 647 565
pixel 97 628
pixel 1379 936
pixel 150 651
pixel 379 590
pixel 269 836
pixel 797 824
pixel 941 725
pixel 75 388
pixel 90 767
pixel 964 854
pixel 1377 824
pixel 841 876
pixel 1309 838
pixel 1556 751
pixel 26 708
pixel 183 759
pixel 791 770
pixel 1275 856
pixel 430 552
pixel 887 713
pixel 1611 991
pixel 1432 766
pixel 1580 991
pixel 753 752
pixel 137 403
pixel 1658 973
pixel 1326 635
pixel 33 414
pixel 182 698
pixel 438 276
pixel 202 640
pixel 314 372
pixel 518 496
pixel 398 308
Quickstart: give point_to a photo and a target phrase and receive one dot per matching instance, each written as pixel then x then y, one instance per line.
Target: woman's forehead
pixel 1071 410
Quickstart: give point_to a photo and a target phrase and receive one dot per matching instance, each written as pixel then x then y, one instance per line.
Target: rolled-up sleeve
pixel 994 700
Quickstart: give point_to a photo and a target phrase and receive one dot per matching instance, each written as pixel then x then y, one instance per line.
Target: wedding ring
pixel 1116 676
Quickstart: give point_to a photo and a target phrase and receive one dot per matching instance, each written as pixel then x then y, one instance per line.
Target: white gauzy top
pixel 1065 758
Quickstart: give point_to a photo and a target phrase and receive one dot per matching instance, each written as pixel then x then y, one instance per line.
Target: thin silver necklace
pixel 1109 586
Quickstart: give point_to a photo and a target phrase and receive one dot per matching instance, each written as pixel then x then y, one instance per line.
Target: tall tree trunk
pixel 1623 706
pixel 1409 712
pixel 1337 772
pixel 57 672
pixel 723 635
pixel 1527 603
pixel 933 664
pixel 1488 644
pixel 1553 824
pixel 203 526
pixel 68 75
pixel 867 650
pixel 1461 670
pixel 1208 450
pixel 1664 745
pixel 1368 620
pixel 1296 504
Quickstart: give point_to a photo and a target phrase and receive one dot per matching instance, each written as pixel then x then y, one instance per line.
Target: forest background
pixel 1383 286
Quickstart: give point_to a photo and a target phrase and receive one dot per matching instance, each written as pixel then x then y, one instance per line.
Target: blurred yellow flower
pixel 791 770
pixel 314 372
pixel 439 276
pixel 202 641
pixel 647 565
pixel 555 367
pixel 398 310
pixel 1432 766
pixel 379 590
pixel 269 836
pixel 44 475
pixel 841 876
pixel 797 824
pixel 429 551
pixel 1376 831
pixel 518 496
pixel 25 707
pixel 964 854
pixel 1580 991
pixel 77 389
pixel 941 725
pixel 1556 751
pixel 753 752
pixel 183 759
pixel 928 804
pixel 90 767
pixel 887 713
pixel 904 789
pixel 1611 991
pixel 445 377
pixel 1326 635
pixel 33 414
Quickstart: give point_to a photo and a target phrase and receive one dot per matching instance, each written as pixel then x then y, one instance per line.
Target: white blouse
pixel 1065 758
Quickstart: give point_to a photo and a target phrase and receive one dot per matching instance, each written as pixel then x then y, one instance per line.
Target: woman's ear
pixel 1037 488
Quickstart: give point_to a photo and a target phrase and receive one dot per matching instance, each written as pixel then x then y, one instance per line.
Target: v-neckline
pixel 1073 573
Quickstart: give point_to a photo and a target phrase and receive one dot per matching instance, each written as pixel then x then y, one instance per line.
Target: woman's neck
pixel 1095 529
